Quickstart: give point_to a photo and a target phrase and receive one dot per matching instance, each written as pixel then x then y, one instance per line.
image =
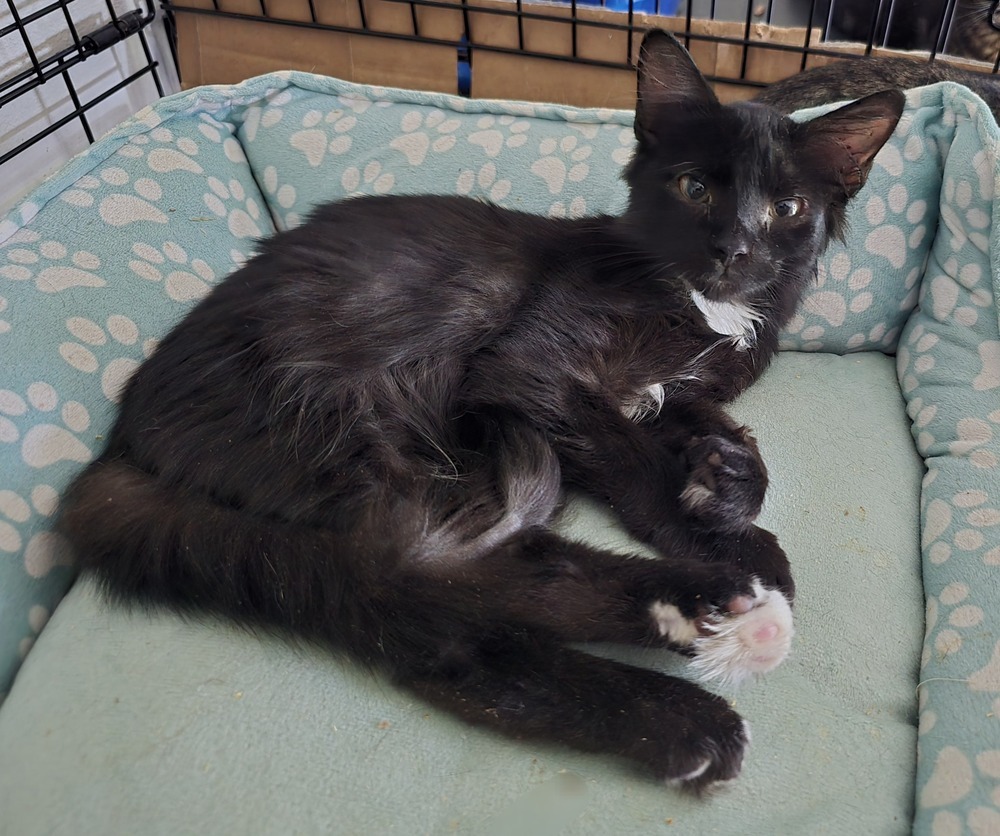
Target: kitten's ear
pixel 666 76
pixel 847 139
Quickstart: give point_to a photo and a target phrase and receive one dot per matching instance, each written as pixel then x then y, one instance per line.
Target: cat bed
pixel 880 423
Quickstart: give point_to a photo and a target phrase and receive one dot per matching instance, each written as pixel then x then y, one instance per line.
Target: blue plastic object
pixel 663 7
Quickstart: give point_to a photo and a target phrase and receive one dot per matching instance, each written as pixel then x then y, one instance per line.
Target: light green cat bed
pixel 132 724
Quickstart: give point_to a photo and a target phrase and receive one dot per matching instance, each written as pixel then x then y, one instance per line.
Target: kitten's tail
pixel 153 544
pixel 376 589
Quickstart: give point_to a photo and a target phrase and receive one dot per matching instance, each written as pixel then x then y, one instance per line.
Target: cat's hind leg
pixel 527 685
pixel 716 613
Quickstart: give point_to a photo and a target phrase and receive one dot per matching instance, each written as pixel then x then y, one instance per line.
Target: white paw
pixel 735 646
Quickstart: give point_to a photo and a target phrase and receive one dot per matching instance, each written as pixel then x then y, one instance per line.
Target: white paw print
pixel 576 208
pixel 956 524
pixel 959 283
pixel 163 264
pixel 284 195
pixel 952 605
pixel 354 103
pixel 38 617
pixel 265 116
pixel 490 136
pixel 46 443
pixel 561 160
pixel 33 513
pixel 28 257
pixel 220 133
pixel 416 140
pixel 164 154
pixel 119 333
pixel 315 141
pixel 242 217
pixel 626 143
pixel 371 176
pixel 486 180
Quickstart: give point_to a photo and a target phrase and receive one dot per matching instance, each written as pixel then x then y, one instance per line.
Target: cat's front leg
pixel 754 551
pixel 726 477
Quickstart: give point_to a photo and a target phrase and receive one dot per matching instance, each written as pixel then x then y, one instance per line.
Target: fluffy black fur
pixel 360 437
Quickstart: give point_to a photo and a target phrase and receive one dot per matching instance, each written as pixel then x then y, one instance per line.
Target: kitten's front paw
pixel 726 480
pixel 719 757
pixel 733 646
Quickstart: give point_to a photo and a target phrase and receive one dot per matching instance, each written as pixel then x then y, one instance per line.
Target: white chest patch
pixel 731 319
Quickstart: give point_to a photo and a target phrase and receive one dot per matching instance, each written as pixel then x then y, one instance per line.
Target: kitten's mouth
pixel 718 289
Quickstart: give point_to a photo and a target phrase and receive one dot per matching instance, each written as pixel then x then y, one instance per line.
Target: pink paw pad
pixel 752 637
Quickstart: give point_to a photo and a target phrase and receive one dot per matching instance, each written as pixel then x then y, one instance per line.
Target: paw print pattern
pixel 842 294
pixel 118 334
pixel 368 180
pixel 47 434
pixel 484 183
pixel 956 525
pixel 491 136
pixel 969 437
pixel 129 188
pixel 231 202
pixel 562 160
pixel 423 134
pixel 265 115
pixel 949 293
pixel 139 198
pixel 322 134
pixel 215 132
pixel 281 197
pixel 948 614
pixel 626 144
pixel 48 263
pixel 165 263
pixel 575 208
pixel 38 617
pixel 953 617
pixel 966 223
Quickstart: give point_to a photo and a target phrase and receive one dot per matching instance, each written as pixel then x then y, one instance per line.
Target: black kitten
pixel 361 437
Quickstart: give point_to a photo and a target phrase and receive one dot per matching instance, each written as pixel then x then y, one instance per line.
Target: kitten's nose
pixel 732 248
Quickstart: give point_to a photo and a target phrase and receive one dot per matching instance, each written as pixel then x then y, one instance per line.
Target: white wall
pixel 47 103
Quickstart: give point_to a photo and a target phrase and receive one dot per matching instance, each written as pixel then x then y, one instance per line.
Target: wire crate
pixel 521 49
pixel 44 87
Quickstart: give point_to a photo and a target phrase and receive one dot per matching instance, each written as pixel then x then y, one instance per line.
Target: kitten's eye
pixel 693 189
pixel 788 206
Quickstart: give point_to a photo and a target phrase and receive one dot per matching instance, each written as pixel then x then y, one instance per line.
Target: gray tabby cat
pixel 972 31
pixel 854 78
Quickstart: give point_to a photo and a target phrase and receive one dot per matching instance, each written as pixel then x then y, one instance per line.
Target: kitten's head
pixel 740 201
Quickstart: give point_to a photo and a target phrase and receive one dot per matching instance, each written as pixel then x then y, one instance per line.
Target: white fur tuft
pixel 672 625
pixel 733 319
pixel 737 646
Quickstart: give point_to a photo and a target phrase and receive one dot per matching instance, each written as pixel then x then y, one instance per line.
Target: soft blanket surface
pixel 97 264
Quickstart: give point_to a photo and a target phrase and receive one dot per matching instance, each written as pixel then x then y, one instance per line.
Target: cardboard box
pixel 580 60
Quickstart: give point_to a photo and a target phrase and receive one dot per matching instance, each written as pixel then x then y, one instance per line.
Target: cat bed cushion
pixel 132 723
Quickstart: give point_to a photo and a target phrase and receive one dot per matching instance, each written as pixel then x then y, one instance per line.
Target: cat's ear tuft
pixel 847 139
pixel 666 76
